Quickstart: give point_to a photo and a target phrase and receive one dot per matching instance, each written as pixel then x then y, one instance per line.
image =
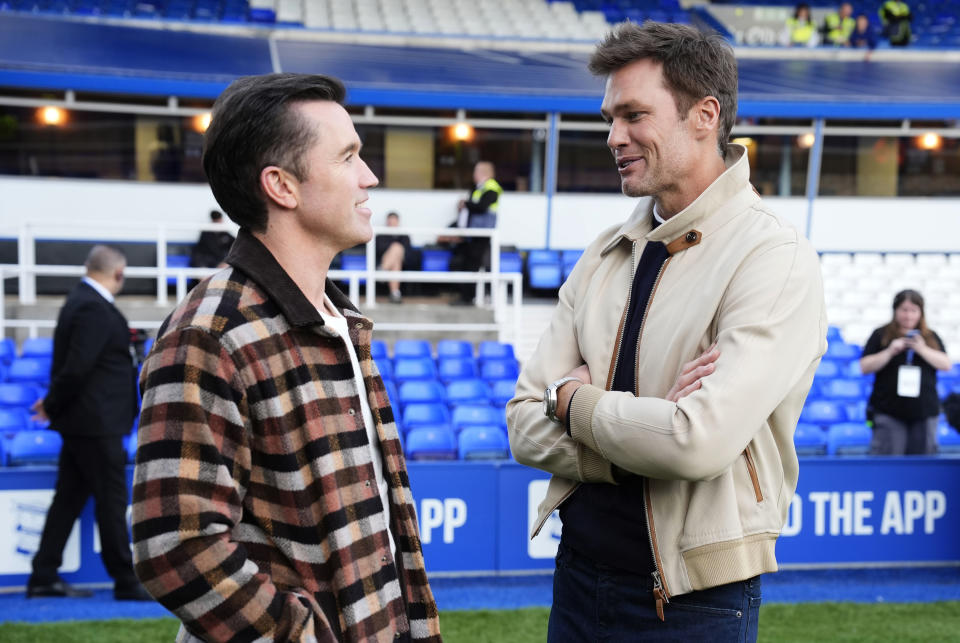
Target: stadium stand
pixel 431 443
pixel 32 447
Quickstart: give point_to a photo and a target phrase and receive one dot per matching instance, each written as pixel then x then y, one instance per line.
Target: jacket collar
pixel 252 258
pixel 689 226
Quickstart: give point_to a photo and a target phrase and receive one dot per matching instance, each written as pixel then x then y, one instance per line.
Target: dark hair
pixel 801 7
pixel 695 65
pixel 892 330
pixel 253 126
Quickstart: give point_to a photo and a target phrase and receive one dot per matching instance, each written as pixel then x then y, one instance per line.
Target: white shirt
pixel 338 323
pixel 656 214
pixel 96 285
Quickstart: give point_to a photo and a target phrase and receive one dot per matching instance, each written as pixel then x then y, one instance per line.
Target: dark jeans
pixel 592 602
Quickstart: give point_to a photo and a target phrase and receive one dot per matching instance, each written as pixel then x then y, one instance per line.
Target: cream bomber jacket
pixel 720 464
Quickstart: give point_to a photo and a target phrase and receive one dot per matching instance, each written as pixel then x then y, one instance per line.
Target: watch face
pixel 546 403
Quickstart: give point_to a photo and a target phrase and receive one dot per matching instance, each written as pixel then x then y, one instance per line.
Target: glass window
pixel 586 164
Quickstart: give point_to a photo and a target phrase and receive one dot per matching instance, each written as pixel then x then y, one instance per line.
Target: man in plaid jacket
pixel 271 498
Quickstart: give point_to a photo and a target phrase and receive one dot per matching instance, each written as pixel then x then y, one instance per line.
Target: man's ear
pixel 706 116
pixel 280 187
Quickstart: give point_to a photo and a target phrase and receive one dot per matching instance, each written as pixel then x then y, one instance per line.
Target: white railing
pixel 506 326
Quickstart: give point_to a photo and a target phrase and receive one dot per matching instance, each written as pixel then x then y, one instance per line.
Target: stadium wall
pixel 125 210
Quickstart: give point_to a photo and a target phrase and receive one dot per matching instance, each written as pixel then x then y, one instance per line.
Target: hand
pixel 565 392
pixel 898 345
pixel 689 379
pixel 39 413
pixel 462 203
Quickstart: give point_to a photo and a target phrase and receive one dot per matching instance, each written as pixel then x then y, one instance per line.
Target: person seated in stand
pixel 863 35
pixel 213 245
pixel 391 251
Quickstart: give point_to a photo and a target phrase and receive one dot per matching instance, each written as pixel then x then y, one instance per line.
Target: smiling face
pixel 331 197
pixel 653 148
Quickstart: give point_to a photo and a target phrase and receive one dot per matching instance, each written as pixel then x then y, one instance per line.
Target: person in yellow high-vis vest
pixel 801 29
pixel 896 16
pixel 477 211
pixel 839 25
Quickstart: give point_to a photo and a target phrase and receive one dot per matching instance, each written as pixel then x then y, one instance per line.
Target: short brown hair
pixel 695 65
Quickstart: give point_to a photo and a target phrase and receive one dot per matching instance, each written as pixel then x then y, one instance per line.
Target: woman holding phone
pixel 905 356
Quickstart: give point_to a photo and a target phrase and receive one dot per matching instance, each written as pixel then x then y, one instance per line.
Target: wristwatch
pixel 550 397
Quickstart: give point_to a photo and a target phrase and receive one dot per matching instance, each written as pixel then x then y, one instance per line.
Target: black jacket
pixel 92 378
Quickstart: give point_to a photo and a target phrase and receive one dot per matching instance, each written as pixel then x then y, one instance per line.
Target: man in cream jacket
pixel 664 395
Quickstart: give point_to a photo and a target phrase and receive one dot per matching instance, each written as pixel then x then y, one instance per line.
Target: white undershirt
pixel 96 285
pixel 338 323
pixel 656 214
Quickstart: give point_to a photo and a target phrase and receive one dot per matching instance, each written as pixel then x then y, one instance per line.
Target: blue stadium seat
pixel 385 366
pixel 476 415
pixel 411 349
pixel 34 447
pixel 435 260
pixel 810 439
pixel 848 438
pixel 421 414
pixel 394 396
pixel 8 350
pixel 544 269
pixel 827 368
pixel 13 420
pixel 431 443
pixel 37 347
pixel 148 345
pixel 176 261
pixel 856 411
pixel 378 349
pixel 499 369
pixel 948 438
pixel 457 369
pixel 502 391
pixel 511 261
pixel 131 443
pixel 823 412
pixel 569 259
pixel 839 389
pixel 494 350
pixel 421 368
pixel 483 443
pixel 425 391
pixel 29 370
pixel 454 348
pixel 18 395
pixel 852 371
pixel 471 391
pixel 833 334
pixel 842 351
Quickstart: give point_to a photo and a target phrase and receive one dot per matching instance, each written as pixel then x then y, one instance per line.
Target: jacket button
pixel 352 412
pixel 691 236
pixel 383 559
pixel 367 483
pixel 358 325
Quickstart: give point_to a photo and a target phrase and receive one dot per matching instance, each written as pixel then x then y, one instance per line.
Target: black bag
pixel 951 407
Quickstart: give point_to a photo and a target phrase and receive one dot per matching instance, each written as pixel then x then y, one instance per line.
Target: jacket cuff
pixel 581 415
pixel 594 467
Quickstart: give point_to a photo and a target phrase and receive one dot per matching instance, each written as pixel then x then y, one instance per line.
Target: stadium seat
pixel 852 370
pixel 494 350
pixel 176 261
pixel 841 389
pixel 483 443
pixel 18 395
pixel 848 438
pixel 8 351
pixel 823 412
pixel 424 391
pixel 569 259
pixel 476 415
pixel 467 391
pixel 431 443
pixel 810 439
pixel 37 347
pixel 13 420
pixel 948 438
pixel 435 259
pixel 385 366
pixel 411 349
pixel 457 369
pixel 856 411
pixel 378 349
pixel 502 391
pixel 454 348
pixel 394 396
pixel 827 368
pixel 131 443
pixel 34 447
pixel 511 261
pixel 499 369
pixel 839 350
pixel 421 368
pixel 29 370
pixel 420 414
pixel 544 269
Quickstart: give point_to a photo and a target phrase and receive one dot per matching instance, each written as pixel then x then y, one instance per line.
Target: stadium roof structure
pixel 55 54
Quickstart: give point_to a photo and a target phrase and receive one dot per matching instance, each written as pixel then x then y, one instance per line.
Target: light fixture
pixel 930 141
pixel 462 132
pixel 806 140
pixel 202 121
pixel 53 116
pixel 746 141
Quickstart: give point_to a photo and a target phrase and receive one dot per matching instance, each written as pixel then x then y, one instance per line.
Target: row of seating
pixel 853 438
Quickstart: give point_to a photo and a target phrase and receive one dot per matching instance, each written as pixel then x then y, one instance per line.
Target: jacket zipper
pixel 660 593
pixel 754 478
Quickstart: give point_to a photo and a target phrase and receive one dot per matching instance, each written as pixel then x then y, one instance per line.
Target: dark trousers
pixel 470 255
pixel 97 467
pixel 593 602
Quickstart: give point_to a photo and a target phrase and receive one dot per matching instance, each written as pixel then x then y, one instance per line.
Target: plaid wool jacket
pixel 256 515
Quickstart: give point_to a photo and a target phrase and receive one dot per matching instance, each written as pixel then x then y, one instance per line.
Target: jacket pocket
pixel 752 470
